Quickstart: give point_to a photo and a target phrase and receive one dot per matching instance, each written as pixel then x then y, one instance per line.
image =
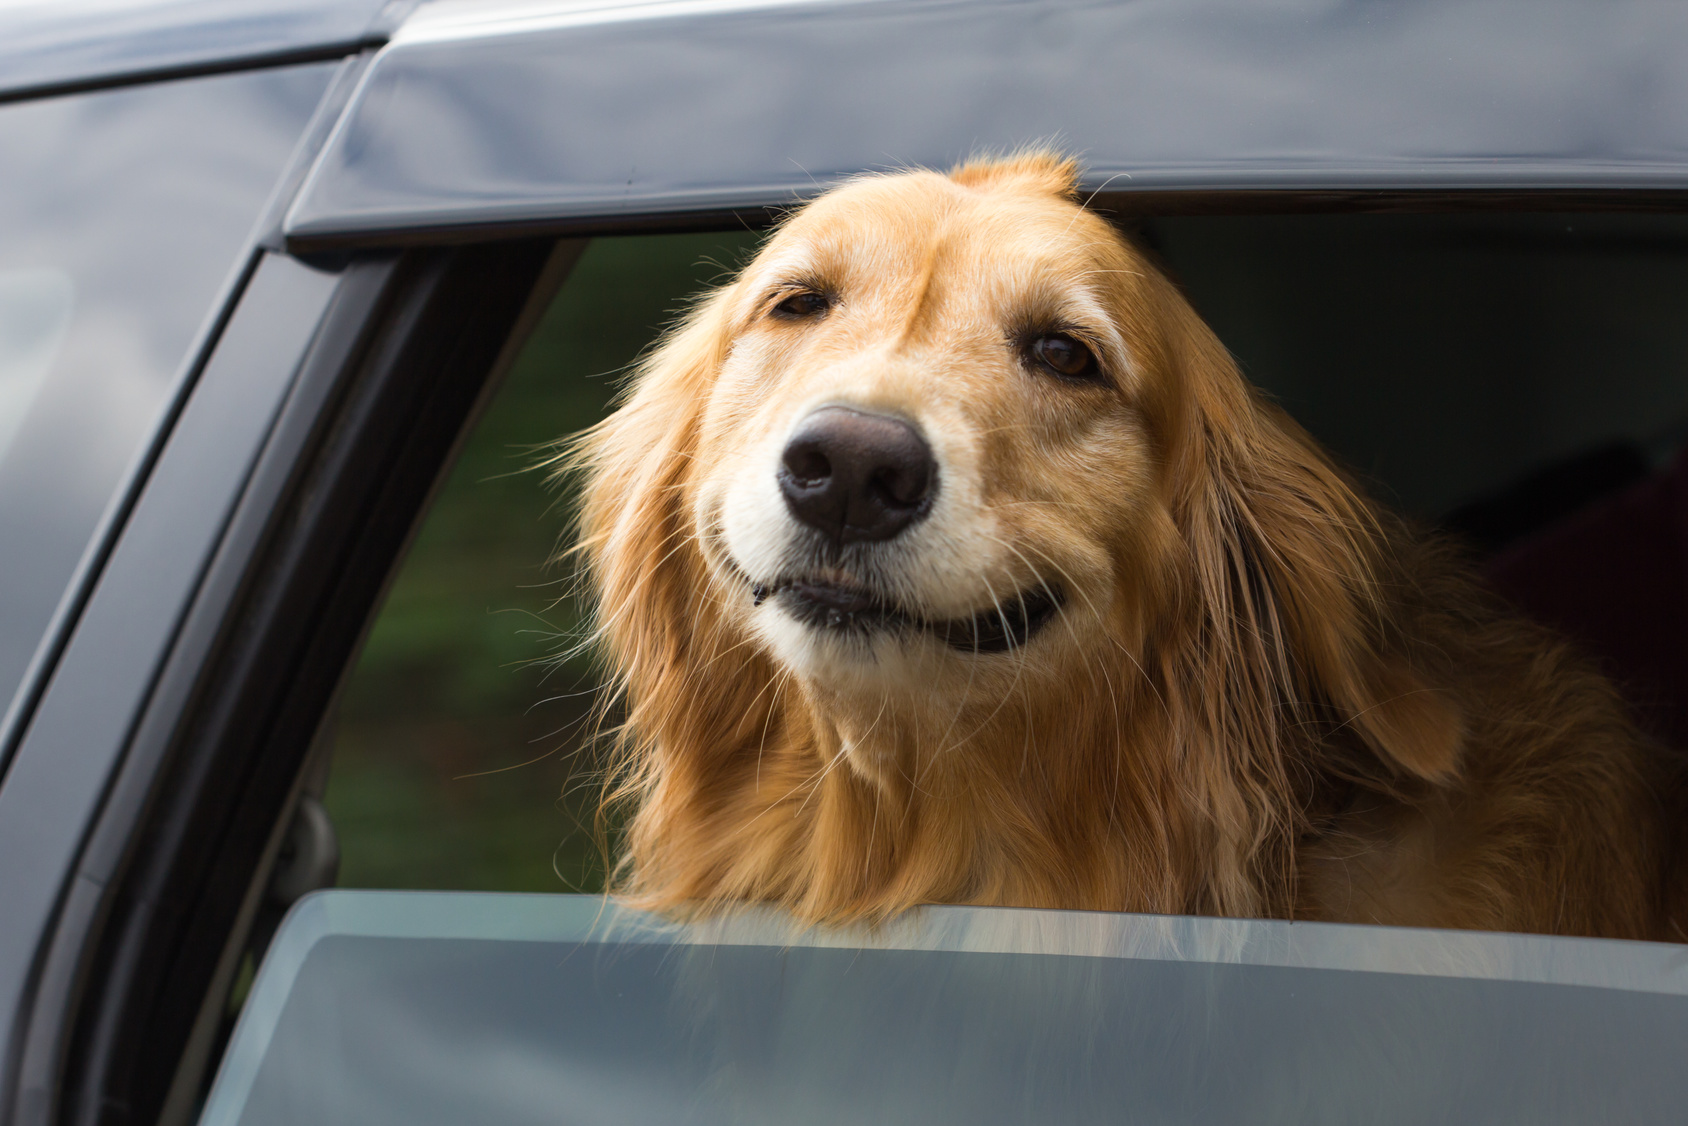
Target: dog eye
pixel 1065 356
pixel 803 305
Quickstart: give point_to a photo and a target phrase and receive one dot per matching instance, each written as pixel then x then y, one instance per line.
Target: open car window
pixel 1447 358
pixel 439 1008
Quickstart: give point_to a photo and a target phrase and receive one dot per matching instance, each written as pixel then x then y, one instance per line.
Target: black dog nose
pixel 857 476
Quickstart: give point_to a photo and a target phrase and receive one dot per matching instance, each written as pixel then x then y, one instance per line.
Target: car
pixel 264 270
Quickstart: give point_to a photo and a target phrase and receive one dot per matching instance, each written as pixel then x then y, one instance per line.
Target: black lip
pixel 841 608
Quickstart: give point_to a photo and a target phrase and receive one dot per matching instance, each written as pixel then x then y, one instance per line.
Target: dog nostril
pixel 904 485
pixel 806 463
pixel 857 476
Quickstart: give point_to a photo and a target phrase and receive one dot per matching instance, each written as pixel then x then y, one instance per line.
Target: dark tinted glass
pixel 123 217
pixel 426 1008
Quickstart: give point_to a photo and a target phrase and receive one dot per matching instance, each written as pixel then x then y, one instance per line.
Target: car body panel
pixel 48 46
pixel 60 773
pixel 187 825
pixel 538 113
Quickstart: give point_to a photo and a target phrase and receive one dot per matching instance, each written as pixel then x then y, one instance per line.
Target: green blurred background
pixel 458 754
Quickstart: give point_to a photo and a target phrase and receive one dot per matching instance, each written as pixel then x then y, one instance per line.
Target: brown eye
pixel 1065 356
pixel 803 305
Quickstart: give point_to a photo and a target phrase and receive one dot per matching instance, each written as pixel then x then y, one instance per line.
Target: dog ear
pixel 656 626
pixel 1401 714
pixel 1298 582
pixel 1364 665
pixel 634 466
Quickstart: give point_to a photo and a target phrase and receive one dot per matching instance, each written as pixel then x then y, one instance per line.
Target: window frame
pixel 163 887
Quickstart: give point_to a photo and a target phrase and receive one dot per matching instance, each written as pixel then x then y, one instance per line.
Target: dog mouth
pixel 844 608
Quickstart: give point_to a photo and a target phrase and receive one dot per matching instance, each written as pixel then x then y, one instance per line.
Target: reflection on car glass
pixel 509 1010
pixel 143 200
pixel 34 312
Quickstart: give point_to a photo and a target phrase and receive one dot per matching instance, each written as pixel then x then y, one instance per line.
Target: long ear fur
pixel 684 682
pixel 1288 656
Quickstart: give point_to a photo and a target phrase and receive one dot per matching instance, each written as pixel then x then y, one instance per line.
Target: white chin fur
pixel 853 660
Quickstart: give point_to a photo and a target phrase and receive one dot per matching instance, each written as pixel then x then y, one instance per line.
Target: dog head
pixel 929 447
pixel 949 479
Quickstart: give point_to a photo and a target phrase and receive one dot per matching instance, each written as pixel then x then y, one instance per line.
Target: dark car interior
pixel 1519 379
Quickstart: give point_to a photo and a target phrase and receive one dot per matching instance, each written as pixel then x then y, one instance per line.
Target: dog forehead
pixel 875 226
pixel 887 232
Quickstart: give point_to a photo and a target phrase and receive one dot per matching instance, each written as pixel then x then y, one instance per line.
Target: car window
pixel 124 215
pixel 35 308
pixel 424 1008
pixel 1444 357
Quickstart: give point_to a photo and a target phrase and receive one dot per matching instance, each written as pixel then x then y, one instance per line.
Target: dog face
pixel 930 451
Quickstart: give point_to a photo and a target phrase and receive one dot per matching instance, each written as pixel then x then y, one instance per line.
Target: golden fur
pixel 1262 696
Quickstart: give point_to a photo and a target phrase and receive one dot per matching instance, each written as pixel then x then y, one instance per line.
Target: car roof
pixel 535 112
pixel 52 46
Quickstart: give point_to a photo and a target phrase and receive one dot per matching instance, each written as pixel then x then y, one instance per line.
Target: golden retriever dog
pixel 944 555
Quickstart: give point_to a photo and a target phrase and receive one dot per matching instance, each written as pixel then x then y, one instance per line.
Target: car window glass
pixel 1441 356
pixel 439 1008
pixel 138 202
pixel 34 312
